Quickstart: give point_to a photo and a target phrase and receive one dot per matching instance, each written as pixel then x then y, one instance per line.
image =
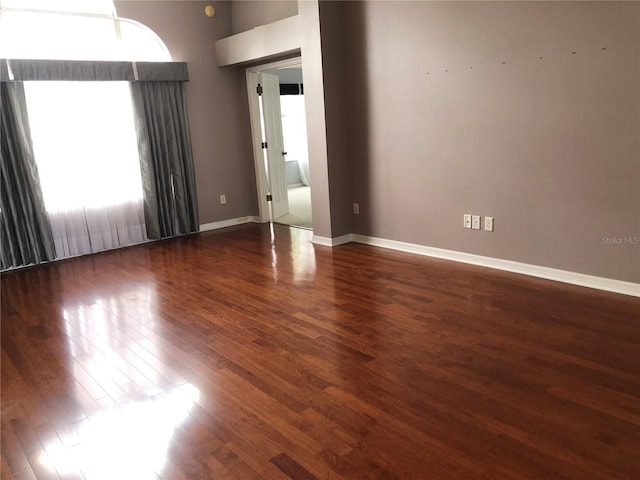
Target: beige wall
pixel 217 103
pixel 548 146
pixel 248 14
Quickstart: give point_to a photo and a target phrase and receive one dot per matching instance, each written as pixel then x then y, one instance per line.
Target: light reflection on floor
pixel 129 442
pixel 129 408
pixel 303 256
pixel 129 411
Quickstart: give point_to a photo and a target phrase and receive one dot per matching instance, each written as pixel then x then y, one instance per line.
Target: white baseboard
pixel 573 278
pixel 599 283
pixel 332 242
pixel 228 223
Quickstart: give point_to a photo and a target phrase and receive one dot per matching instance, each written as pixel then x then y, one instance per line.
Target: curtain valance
pixel 23 70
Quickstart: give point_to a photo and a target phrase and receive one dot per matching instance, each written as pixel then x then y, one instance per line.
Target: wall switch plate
pixel 223 199
pixel 467 220
pixel 475 222
pixel 488 224
pixel 356 209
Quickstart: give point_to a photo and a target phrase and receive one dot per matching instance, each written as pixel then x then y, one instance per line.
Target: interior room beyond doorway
pixel 294 133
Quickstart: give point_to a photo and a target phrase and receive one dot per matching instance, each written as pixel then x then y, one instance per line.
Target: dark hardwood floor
pixel 222 356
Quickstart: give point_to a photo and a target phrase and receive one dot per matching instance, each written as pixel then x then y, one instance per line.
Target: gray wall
pixel 217 103
pixel 293 172
pixel 333 30
pixel 248 14
pixel 548 146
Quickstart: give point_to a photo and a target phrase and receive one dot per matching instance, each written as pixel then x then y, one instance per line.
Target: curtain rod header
pixel 22 70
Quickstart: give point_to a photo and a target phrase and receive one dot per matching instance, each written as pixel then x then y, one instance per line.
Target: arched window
pixel 83 131
pixel 74 30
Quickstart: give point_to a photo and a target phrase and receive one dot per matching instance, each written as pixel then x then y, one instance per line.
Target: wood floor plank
pixel 236 354
pixel 15 463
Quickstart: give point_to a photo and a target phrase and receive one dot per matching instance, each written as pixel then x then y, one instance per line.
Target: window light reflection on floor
pixel 130 442
pixel 131 439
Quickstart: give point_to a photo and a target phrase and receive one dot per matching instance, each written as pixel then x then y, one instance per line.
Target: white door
pixel 272 118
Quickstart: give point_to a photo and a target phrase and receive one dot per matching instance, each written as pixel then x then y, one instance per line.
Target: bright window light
pixel 129 442
pixel 74 30
pixel 83 132
pixel 77 6
pixel 294 127
pixel 85 144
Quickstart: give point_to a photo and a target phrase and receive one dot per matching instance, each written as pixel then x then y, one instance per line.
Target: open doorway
pixel 294 133
pixel 278 119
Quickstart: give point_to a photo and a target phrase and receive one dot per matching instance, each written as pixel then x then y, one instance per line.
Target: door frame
pixel 256 131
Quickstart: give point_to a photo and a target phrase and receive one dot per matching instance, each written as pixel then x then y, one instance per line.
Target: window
pixel 74 30
pixel 97 165
pixel 83 132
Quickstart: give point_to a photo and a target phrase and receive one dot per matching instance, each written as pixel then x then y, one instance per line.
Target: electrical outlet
pixel 223 199
pixel 356 209
pixel 488 224
pixel 467 220
pixel 475 222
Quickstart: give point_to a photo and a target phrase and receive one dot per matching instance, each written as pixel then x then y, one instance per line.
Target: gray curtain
pixel 166 158
pixel 24 226
pixel 27 70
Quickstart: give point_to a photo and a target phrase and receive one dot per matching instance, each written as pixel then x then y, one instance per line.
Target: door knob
pixel 284 153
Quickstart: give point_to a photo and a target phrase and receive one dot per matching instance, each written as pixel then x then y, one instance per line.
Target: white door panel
pixel 272 118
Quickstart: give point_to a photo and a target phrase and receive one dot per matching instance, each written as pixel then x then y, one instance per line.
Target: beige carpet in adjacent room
pixel 299 208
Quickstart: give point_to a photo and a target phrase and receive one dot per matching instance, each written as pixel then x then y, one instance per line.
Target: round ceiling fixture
pixel 209 11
